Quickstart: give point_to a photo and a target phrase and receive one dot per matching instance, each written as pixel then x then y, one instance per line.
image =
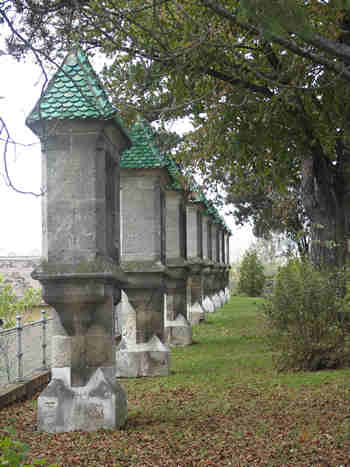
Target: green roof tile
pixel 144 153
pixel 74 92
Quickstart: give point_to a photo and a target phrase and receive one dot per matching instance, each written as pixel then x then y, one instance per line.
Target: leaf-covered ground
pixel 222 405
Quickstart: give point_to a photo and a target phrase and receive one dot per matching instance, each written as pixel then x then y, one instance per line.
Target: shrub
pixel 306 315
pixel 11 305
pixel 13 453
pixel 251 275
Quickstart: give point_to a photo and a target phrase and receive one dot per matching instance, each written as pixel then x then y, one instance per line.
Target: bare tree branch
pixel 8 140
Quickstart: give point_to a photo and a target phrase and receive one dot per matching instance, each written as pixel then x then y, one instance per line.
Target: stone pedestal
pixel 195 284
pixel 216 301
pixel 100 404
pixel 141 351
pixel 208 305
pixel 223 274
pixel 178 330
pixel 208 279
pixel 222 297
pixel 83 393
pixel 151 358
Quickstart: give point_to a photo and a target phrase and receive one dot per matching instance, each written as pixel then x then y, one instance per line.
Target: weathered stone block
pixel 146 359
pixel 222 297
pixel 216 300
pixel 208 305
pixel 197 313
pixel 178 332
pixel 102 403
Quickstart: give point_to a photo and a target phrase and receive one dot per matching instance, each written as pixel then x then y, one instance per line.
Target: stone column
pixel 227 262
pixel 221 256
pixel 215 279
pixel 142 351
pixel 195 285
pixel 207 303
pixel 80 276
pixel 178 330
pixel 195 262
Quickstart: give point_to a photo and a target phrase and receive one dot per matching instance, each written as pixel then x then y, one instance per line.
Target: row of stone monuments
pixel 127 247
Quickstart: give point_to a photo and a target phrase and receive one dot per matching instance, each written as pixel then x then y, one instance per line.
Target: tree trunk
pixel 325 192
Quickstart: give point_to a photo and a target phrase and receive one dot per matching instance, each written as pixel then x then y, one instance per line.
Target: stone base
pixel 197 314
pixel 216 300
pixel 178 332
pixel 208 305
pixel 222 297
pixel 149 359
pixel 102 403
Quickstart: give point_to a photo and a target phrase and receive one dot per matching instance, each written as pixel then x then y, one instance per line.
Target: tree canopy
pixel 264 83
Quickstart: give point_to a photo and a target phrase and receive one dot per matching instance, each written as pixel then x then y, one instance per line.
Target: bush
pixel 11 305
pixel 13 453
pixel 307 317
pixel 251 275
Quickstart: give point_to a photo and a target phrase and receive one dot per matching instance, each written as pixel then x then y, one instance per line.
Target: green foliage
pixel 306 317
pixel 7 303
pixel 10 305
pixel 251 275
pixel 13 453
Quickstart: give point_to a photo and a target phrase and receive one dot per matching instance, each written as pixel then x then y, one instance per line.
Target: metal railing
pixel 24 349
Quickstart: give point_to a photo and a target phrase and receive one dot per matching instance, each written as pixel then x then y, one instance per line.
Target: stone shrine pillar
pixel 221 258
pixel 178 330
pixel 227 262
pixel 207 303
pixel 142 351
pixel 214 282
pixel 81 145
pixel 194 231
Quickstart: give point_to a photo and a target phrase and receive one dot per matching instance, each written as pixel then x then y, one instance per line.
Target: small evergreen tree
pixel 251 275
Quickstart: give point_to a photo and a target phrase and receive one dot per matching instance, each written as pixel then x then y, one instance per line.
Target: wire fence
pixel 25 349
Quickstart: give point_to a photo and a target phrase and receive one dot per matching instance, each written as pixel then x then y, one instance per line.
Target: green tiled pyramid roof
pixel 145 154
pixel 74 92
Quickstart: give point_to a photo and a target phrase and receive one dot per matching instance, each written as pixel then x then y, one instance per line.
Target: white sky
pixel 20 221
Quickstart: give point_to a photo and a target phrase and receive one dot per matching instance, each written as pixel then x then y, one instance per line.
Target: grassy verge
pixel 222 405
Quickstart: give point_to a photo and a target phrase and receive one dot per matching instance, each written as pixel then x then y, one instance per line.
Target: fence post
pixel 19 329
pixel 44 345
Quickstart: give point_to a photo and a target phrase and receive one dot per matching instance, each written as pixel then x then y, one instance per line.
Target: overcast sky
pixel 20 224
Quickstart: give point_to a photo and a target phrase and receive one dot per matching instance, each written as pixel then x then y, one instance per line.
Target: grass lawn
pixel 223 404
